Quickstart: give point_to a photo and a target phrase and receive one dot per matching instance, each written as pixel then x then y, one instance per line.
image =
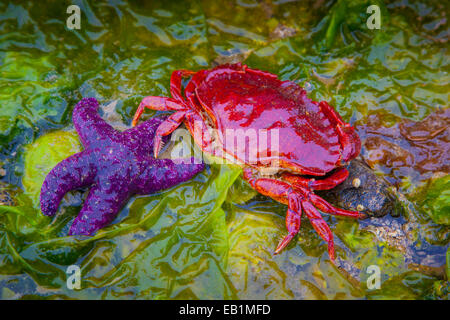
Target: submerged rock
pixel 409 153
pixel 232 56
pixel 7 194
pixel 282 31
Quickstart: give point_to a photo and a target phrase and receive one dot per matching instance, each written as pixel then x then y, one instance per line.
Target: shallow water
pixel 211 237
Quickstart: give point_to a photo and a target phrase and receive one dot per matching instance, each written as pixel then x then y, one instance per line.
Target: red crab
pixel 314 140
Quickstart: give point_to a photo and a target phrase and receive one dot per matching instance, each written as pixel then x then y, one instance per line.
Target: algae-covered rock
pixel 41 156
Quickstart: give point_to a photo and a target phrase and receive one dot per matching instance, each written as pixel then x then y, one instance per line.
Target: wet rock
pixel 364 191
pixel 399 234
pixel 407 152
pixel 111 115
pixel 7 194
pixel 431 127
pixel 231 57
pixel 281 31
pixel 392 232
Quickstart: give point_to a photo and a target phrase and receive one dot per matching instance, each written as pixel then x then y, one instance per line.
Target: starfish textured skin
pixel 115 165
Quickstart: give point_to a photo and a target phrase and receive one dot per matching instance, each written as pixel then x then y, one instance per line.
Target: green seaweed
pixel 210 237
pixel 436 202
pixel 33 91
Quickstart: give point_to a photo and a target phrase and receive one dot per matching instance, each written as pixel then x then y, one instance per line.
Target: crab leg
pixel 166 128
pixel 199 131
pixel 186 111
pixel 175 83
pixel 170 124
pixel 194 120
pixel 320 226
pixel 304 185
pixel 298 198
pixel 328 208
pixel 281 192
pixel 284 193
pixel 293 221
pixel 157 103
pixel 327 183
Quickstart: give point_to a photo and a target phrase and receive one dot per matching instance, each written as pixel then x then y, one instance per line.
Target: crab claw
pixel 166 128
pixel 138 114
pixel 158 144
pixel 351 144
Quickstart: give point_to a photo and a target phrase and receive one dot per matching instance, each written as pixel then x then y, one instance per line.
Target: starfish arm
pixel 160 174
pixel 100 208
pixel 77 171
pixel 140 138
pixel 91 128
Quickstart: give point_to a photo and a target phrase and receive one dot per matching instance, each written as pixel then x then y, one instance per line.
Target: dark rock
pixel 373 195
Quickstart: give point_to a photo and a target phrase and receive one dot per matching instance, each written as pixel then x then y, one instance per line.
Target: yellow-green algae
pixel 208 238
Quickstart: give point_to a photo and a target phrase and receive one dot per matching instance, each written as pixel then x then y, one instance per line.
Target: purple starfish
pixel 114 164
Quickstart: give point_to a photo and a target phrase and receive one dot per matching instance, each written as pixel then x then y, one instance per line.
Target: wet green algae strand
pixel 210 237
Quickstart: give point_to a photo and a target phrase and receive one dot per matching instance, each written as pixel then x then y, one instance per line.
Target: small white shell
pixel 356 182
